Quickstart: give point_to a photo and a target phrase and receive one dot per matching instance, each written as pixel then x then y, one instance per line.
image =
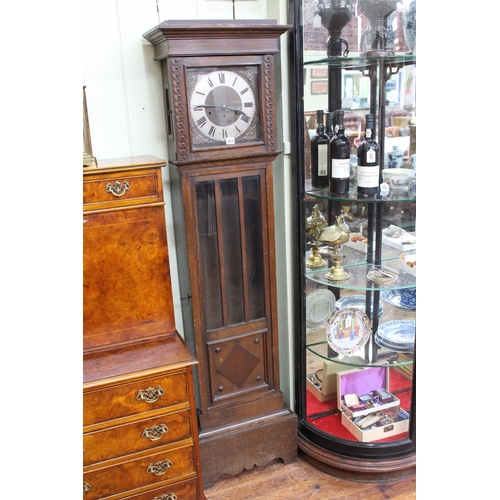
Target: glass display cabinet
pixel 356 254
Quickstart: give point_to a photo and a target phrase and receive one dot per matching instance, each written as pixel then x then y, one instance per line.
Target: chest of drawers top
pixel 148 358
pixel 123 182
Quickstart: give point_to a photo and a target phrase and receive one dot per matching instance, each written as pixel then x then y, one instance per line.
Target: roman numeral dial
pixel 222 105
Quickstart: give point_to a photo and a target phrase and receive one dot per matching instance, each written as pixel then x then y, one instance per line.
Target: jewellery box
pixel 369 385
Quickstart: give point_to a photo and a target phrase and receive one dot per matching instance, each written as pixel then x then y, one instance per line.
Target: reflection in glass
pixel 253 247
pixel 231 238
pixel 209 252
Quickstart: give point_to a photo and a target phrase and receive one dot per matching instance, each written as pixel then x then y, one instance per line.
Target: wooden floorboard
pixel 300 480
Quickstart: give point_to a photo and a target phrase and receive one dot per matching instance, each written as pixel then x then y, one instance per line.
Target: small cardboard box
pixel 326 388
pixel 374 433
pixel 358 242
pixel 408 263
pixel 363 381
pixel 403 244
pixel 316 388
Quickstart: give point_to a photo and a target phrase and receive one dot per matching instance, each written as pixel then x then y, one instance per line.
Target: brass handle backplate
pixel 86 487
pixel 165 496
pixel 155 432
pixel 150 395
pixel 117 189
pixel 159 467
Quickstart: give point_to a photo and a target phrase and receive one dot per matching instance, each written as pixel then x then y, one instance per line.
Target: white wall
pixel 125 107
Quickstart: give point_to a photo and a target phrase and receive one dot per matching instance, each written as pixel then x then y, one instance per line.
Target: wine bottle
pixel 368 160
pixel 340 158
pixel 329 124
pixel 319 153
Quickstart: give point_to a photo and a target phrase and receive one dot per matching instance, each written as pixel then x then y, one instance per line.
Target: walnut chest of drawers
pixel 140 430
pixel 140 433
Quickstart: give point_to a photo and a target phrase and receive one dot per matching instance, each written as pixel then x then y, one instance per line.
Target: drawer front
pixel 185 490
pixel 138 473
pixel 120 190
pixel 138 436
pixel 109 403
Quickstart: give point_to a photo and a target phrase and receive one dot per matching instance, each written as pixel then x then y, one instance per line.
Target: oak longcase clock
pixel 220 106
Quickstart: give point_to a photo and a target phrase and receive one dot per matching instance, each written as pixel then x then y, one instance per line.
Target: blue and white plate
pixel 393 297
pixel 396 335
pixel 358 302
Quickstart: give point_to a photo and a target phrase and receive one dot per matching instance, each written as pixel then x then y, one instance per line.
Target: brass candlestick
pixel 336 235
pixel 315 224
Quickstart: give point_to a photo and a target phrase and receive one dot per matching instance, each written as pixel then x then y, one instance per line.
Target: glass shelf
pixel 353 196
pixel 384 356
pixel 358 276
pixel 355 257
pixel 363 62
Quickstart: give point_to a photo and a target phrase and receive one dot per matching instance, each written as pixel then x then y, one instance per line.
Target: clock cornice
pixel 183 38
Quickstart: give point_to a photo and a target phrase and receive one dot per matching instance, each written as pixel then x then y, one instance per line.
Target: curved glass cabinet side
pixel 324 374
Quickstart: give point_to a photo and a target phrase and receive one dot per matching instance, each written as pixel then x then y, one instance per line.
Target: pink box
pixel 363 381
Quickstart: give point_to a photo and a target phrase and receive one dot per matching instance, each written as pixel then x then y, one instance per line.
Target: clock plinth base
pixel 242 446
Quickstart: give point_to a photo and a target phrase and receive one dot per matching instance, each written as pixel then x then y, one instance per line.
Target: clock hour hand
pixel 238 111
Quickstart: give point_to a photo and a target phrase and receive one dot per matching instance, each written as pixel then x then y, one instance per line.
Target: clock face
pixel 223 105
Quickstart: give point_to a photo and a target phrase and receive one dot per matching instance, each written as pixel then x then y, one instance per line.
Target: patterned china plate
pixel 348 330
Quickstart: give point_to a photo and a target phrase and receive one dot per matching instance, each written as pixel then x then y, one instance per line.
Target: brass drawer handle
pixel 117 189
pixel 154 433
pixel 86 487
pixel 150 395
pixel 159 467
pixel 170 496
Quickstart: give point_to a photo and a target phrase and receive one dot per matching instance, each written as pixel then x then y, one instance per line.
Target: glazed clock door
pixel 231 289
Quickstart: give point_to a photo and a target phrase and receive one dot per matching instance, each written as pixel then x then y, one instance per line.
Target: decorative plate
pixel 393 297
pixel 396 334
pixel 348 330
pixel 357 301
pixel 394 348
pixel 320 304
